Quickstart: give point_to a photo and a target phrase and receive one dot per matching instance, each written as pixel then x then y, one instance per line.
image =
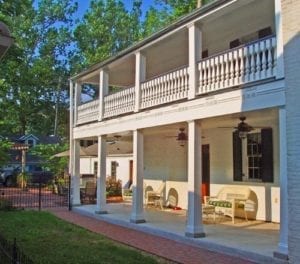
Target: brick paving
pixel 168 249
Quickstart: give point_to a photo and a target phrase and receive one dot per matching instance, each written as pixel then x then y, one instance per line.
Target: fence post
pixel 40 189
pixel 69 193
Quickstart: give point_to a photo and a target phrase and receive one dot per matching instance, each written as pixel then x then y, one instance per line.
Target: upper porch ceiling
pixel 239 19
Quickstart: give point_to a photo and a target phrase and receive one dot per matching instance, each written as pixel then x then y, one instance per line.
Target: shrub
pixel 5 205
pixel 113 187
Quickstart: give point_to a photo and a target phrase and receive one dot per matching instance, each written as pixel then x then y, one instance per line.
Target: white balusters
pixel 252 62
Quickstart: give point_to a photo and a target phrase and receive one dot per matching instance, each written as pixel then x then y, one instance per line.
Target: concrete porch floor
pixel 256 240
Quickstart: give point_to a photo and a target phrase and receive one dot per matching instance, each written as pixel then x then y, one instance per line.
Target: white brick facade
pixel 291 42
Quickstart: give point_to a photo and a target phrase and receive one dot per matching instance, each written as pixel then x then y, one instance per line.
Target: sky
pixel 83 5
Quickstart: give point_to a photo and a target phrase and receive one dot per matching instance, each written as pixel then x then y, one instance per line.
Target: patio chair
pixel 89 192
pixel 156 197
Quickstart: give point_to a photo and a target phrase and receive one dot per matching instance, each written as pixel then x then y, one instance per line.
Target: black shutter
pixel 267 155
pixel 237 157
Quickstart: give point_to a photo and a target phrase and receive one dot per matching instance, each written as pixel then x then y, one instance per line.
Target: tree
pixel 108 28
pixel 29 73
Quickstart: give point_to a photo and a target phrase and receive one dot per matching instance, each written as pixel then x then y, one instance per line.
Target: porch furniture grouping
pixel 155 197
pixel 230 199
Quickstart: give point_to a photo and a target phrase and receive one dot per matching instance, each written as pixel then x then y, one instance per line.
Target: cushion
pixel 220 203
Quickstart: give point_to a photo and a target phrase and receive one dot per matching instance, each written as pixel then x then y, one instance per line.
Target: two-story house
pixel 205 101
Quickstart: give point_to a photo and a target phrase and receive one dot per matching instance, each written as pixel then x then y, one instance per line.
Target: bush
pixel 22 180
pixel 5 205
pixel 113 187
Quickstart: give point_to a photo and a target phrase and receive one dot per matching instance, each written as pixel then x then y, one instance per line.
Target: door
pixel 130 172
pixel 205 171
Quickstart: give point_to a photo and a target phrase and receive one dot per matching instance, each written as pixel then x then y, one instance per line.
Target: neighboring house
pixel 5 39
pixel 210 101
pixel 119 162
pixel 29 140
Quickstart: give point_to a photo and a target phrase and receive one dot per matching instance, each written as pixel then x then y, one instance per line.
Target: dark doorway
pixel 130 171
pixel 205 171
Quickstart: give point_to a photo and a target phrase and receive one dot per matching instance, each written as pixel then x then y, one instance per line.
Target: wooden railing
pixel 119 103
pixel 253 62
pixel 165 88
pixel 88 112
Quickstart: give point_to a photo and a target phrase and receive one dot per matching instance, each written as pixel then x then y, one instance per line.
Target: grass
pixel 46 239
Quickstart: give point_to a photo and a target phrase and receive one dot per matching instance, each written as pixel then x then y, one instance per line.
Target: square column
pixel 103 91
pixel 194 227
pixel 101 176
pixel 140 76
pixel 195 51
pixel 75 175
pixel 282 250
pixel 137 210
pixel 77 101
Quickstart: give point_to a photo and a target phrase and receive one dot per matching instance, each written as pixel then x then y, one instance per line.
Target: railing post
pixel 77 99
pixel 103 90
pixel 140 76
pixel 195 50
pixel 279 41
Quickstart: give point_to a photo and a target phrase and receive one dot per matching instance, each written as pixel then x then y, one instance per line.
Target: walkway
pixel 178 252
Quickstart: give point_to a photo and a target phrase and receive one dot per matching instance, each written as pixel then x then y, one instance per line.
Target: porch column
pixel 137 211
pixel 75 176
pixel 77 101
pixel 101 176
pixel 279 40
pixel 103 91
pixel 195 49
pixel 194 226
pixel 140 76
pixel 71 127
pixel 282 250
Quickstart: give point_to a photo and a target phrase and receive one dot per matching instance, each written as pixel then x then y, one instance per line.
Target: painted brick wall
pixel 291 41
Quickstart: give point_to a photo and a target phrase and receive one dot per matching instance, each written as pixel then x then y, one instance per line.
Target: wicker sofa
pixel 231 199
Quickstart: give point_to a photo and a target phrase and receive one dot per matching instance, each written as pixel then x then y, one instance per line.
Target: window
pixel 114 165
pixel 253 156
pixel 95 168
pixel 30 142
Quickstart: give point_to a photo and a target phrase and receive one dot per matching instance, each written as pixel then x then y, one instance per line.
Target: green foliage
pixel 5 205
pixel 47 239
pixel 113 187
pixel 29 73
pixel 4 147
pixel 57 165
pixel 22 179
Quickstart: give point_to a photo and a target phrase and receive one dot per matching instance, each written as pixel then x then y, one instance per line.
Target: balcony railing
pixel 119 103
pixel 88 112
pixel 255 61
pixel 166 88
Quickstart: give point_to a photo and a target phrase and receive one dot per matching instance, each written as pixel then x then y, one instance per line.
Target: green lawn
pixel 47 239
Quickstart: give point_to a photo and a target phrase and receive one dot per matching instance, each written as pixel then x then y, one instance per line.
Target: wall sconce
pixel 181 137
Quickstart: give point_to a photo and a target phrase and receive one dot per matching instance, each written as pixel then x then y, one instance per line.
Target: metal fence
pixel 37 195
pixel 10 253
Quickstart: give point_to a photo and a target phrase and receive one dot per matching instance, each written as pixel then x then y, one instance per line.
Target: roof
pixel 181 21
pixel 42 139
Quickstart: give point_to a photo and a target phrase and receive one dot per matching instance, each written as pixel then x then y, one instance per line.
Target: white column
pixel 140 76
pixel 77 100
pixel 71 162
pixel 103 91
pixel 282 250
pixel 137 211
pixel 101 176
pixel 195 49
pixel 75 176
pixel 194 227
pixel 279 40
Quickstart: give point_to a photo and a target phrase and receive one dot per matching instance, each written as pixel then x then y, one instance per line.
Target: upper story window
pixel 31 142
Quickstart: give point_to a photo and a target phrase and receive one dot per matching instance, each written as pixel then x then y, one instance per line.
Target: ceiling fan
pixel 243 128
pixel 113 140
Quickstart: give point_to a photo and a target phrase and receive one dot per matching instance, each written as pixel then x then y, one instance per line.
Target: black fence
pixel 37 195
pixel 10 253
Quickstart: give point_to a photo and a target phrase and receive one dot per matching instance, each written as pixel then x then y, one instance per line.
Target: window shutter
pixel 237 157
pixel 267 155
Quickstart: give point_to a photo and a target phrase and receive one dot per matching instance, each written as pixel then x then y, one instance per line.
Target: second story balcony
pixel 212 54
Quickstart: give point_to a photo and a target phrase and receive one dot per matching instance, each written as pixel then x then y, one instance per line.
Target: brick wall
pixel 291 42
